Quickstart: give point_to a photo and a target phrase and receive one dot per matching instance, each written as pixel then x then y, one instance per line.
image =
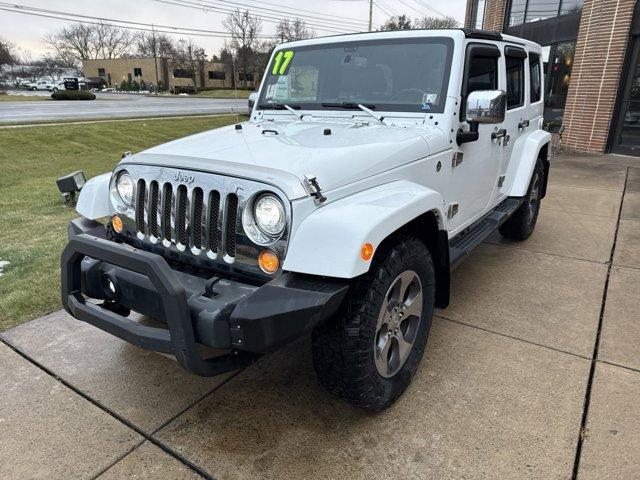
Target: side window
pixel 480 71
pixel 535 72
pixel 483 74
pixel 515 82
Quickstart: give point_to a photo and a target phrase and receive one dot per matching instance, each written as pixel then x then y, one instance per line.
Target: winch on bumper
pixel 221 313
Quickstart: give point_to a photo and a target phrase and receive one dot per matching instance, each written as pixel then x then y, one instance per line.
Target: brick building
pixel 592 65
pixel 115 71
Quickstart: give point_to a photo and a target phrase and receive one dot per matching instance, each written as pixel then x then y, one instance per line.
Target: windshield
pixel 402 75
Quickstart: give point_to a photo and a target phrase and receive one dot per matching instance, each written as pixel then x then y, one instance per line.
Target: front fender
pixel 93 202
pixel 527 151
pixel 329 240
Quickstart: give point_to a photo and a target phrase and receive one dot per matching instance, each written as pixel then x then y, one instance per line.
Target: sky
pixel 27 31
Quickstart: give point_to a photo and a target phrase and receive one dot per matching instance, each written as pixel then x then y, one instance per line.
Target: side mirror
pixel 486 106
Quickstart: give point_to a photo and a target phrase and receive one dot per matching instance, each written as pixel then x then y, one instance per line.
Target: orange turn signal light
pixel 366 252
pixel 269 262
pixel 116 221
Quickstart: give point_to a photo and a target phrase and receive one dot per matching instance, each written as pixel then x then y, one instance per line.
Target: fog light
pixel 269 262
pixel 111 287
pixel 116 221
pixel 69 185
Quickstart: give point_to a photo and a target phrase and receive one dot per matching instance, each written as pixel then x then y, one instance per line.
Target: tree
pixel 398 22
pixel 434 23
pixel 7 53
pixel 148 46
pixel 243 29
pixel 189 57
pixel 290 31
pixel 81 41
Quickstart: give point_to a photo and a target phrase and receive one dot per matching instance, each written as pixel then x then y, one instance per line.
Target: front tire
pixel 369 353
pixel 521 224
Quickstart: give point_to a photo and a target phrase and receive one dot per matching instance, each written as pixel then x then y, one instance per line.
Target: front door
pixel 474 174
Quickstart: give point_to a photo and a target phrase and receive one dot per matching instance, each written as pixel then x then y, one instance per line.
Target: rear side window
pixel 535 73
pixel 515 82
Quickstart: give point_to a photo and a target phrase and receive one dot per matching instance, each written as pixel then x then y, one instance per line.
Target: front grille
pixel 189 218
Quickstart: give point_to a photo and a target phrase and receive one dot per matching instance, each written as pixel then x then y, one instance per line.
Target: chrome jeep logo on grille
pixel 184 177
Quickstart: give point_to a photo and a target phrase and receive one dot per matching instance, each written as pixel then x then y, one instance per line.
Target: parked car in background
pixel 58 86
pixel 40 85
pixel 253 96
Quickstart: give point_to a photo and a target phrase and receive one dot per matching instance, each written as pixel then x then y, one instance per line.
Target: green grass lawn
pixel 230 93
pixel 33 220
pixel 22 98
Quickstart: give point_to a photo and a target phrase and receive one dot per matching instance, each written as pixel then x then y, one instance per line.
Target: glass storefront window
pixel 557 83
pixel 571 6
pixel 480 4
pixel 517 11
pixel 527 11
pixel 541 10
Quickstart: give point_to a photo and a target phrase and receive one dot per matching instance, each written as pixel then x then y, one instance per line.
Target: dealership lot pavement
pixel 500 392
pixel 110 106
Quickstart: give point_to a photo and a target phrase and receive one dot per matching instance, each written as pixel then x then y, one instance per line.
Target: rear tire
pixel 369 353
pixel 521 224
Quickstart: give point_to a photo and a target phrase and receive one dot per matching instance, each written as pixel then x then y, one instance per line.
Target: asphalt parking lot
pixel 108 106
pixel 532 372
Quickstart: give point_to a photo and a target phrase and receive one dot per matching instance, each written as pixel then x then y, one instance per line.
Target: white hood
pixel 349 153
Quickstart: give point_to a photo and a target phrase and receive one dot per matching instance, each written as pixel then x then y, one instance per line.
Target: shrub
pixel 135 86
pixel 161 87
pixel 143 85
pixel 123 86
pixel 73 95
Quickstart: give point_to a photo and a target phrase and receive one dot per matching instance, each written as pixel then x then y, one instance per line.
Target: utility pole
pixel 155 55
pixel 370 14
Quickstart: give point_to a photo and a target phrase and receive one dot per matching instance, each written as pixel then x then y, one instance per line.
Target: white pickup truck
pixel 371 165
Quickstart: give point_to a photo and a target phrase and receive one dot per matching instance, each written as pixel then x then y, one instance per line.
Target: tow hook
pixel 311 183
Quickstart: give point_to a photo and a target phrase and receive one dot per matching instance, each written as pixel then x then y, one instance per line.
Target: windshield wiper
pixel 346 105
pixel 368 111
pixel 278 106
pixel 283 106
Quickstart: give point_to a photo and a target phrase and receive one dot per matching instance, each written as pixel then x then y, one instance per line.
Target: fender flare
pixel 329 240
pixel 93 202
pixel 528 151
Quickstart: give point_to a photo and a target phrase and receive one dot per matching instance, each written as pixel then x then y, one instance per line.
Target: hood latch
pixel 312 186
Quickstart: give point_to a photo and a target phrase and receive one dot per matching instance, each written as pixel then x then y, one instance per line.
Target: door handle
pixel 523 124
pixel 499 134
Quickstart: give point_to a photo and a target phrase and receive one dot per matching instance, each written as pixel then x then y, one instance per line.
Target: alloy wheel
pixel 398 323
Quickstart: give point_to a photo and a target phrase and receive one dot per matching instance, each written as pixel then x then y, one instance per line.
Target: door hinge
pixel 453 209
pixel 501 181
pixel 457 159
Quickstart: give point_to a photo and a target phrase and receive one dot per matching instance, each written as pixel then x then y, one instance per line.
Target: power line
pixel 27 9
pixel 275 17
pixel 337 17
pixel 21 9
pixel 437 12
pixel 411 7
pixel 382 9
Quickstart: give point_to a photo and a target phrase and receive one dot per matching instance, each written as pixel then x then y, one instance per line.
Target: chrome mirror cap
pixel 486 106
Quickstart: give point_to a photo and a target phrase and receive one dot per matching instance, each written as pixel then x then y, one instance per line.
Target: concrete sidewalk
pixel 508 388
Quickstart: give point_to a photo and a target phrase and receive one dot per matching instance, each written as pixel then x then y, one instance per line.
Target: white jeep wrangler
pixel 370 166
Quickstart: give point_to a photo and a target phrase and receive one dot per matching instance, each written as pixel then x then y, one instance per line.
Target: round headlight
pixel 124 185
pixel 268 212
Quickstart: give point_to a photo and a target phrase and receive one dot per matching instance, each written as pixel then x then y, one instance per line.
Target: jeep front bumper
pixel 246 319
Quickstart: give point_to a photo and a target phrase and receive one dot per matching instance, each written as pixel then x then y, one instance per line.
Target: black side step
pixel 462 244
